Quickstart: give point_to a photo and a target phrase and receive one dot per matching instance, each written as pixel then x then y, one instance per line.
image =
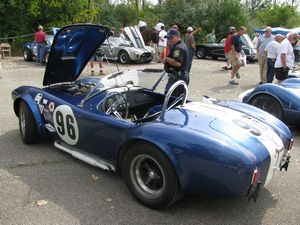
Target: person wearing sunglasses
pixel 176 63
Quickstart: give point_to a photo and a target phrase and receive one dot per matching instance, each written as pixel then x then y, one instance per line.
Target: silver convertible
pixel 131 49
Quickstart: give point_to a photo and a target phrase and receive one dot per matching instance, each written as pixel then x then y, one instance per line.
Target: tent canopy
pixel 275 30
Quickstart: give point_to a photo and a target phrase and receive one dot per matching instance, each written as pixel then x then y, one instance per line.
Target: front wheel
pixel 268 104
pixel 150 176
pixel 27 124
pixel 124 58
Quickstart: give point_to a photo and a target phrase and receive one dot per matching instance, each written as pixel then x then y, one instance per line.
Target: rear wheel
pixel 150 176
pixel 268 104
pixel 124 57
pixel 27 124
pixel 200 53
pixel 27 55
pixel 46 57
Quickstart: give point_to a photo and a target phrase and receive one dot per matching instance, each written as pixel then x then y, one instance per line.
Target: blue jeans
pixel 40 47
pixel 270 69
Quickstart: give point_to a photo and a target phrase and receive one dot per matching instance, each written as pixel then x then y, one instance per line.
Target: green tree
pixel 279 16
pixel 228 13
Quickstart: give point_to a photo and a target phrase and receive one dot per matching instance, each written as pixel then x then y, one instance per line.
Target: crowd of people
pixel 275 54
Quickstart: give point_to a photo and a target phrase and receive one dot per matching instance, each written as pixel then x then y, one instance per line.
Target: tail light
pixel 255 177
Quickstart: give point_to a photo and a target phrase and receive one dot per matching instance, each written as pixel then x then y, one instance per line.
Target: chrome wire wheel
pixel 22 122
pixel 147 176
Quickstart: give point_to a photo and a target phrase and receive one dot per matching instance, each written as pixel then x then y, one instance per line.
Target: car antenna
pixel 110 49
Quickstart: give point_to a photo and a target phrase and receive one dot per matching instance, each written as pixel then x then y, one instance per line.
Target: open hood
pixel 72 48
pixel 135 36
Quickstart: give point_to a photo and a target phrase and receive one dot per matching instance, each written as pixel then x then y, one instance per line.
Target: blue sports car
pixel 164 145
pixel 30 49
pixel 281 100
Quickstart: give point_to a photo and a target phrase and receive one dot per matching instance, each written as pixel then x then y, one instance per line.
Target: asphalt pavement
pixel 39 184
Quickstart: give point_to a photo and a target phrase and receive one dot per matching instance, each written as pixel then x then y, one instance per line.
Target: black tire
pixel 46 57
pixel 27 124
pixel 215 57
pixel 27 55
pixel 268 104
pixel 200 53
pixel 124 57
pixel 150 176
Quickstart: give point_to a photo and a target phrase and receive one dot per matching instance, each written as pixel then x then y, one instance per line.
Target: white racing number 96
pixel 65 124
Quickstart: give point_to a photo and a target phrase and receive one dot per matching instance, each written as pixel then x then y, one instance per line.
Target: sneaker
pixel 92 72
pixel 233 82
pixel 238 76
pixel 227 68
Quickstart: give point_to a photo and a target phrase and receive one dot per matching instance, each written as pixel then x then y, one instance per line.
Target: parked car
pixel 163 145
pixel 30 49
pixel 127 51
pixel 217 50
pixel 281 100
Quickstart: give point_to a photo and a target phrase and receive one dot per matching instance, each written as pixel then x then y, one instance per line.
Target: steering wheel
pixel 181 97
pixel 115 104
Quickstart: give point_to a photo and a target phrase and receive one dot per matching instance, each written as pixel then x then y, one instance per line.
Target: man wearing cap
pixel 285 59
pixel 227 48
pixel 190 43
pixel 262 42
pixel 162 43
pixel 40 39
pixel 177 61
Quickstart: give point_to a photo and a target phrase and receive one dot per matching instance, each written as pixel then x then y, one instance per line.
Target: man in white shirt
pixel 271 53
pixel 162 43
pixel 285 59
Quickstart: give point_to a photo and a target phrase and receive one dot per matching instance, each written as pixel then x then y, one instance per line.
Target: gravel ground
pixel 42 185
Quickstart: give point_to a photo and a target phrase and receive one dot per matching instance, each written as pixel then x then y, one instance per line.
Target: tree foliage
pixel 22 17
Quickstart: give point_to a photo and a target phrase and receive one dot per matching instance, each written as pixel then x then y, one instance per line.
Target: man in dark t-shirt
pixel 236 54
pixel 176 64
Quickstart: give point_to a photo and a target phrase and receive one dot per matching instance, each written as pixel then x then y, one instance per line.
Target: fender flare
pixel 35 112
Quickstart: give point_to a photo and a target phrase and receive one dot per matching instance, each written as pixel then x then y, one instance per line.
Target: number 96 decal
pixel 65 124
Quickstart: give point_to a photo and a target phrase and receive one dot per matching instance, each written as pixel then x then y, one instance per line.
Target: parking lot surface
pixel 39 184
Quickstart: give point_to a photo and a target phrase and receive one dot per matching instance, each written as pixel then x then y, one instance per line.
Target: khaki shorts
pixel 235 62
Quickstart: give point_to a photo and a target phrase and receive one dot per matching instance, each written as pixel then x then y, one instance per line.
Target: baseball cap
pixel 189 29
pixel 171 33
pixel 231 29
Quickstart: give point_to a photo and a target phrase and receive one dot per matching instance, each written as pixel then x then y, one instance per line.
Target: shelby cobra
pixel 163 145
pixel 217 50
pixel 30 49
pixel 133 49
pixel 281 100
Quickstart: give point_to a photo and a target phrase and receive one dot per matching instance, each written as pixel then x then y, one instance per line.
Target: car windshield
pixel 153 79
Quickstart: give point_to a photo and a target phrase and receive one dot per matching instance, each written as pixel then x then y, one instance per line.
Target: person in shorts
pixel 235 54
pixel 97 57
pixel 285 59
pixel 227 48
